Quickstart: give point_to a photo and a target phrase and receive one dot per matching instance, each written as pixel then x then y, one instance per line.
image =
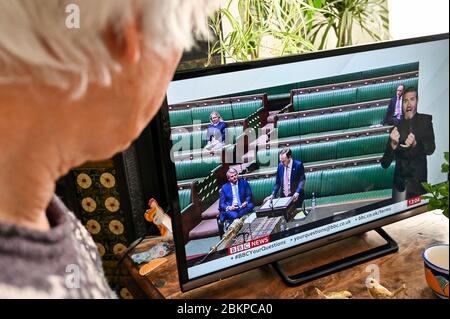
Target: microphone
pixel 232 230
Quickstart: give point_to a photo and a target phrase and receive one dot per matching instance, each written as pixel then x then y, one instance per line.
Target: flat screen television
pixel 325 133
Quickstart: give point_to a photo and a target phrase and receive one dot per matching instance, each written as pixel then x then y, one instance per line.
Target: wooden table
pixel 405 266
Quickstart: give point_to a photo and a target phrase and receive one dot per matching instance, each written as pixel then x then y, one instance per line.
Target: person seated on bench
pixel 290 178
pixel 235 199
pixel 215 132
pixel 394 112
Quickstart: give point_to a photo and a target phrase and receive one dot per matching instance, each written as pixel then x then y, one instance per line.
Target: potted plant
pixel 264 28
pixel 438 194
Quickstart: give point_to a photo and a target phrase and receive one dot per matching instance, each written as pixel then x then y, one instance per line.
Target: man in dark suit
pixel 290 178
pixel 235 198
pixel 394 111
pixel 409 144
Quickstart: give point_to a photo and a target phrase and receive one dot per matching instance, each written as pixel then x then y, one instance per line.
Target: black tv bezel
pixel 171 185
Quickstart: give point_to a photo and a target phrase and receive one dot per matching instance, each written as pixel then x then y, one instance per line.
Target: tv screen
pixel 279 156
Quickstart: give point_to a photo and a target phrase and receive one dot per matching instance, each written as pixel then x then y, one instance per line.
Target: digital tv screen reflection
pixel 276 156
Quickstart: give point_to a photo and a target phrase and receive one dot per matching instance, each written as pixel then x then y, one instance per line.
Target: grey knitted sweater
pixel 60 263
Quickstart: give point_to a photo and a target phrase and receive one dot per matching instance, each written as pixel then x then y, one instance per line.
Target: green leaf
pixel 443 190
pixel 435 203
pixel 428 187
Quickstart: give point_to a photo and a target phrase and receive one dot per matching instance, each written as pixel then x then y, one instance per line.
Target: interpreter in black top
pixel 410 142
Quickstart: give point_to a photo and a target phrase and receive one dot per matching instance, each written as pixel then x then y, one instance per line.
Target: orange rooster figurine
pixel 156 215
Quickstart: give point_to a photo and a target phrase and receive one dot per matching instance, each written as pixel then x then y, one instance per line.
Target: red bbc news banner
pixel 413 201
pixel 248 245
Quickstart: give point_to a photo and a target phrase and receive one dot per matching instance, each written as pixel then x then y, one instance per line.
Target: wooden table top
pixel 403 267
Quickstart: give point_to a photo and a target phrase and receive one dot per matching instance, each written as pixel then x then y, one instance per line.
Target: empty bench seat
pixel 191 170
pixel 330 122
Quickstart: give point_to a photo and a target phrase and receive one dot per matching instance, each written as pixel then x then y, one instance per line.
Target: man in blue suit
pixel 235 198
pixel 394 112
pixel 290 178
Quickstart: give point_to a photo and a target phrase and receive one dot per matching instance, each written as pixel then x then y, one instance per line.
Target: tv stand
pixel 335 266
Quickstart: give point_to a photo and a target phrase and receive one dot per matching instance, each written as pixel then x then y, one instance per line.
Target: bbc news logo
pixel 248 245
pixel 413 201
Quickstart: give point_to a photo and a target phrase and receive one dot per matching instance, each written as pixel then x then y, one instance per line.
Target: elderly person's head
pixel 69 95
pixel 215 117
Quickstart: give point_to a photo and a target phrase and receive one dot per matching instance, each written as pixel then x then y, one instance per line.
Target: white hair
pixel 232 170
pixel 36 43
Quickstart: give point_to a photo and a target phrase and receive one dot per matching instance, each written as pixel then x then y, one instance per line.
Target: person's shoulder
pixel 243 181
pixel 425 117
pixel 298 162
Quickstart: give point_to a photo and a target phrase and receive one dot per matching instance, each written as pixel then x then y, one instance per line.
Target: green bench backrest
pixel 270 157
pixel 356 179
pixel 232 133
pixel 383 90
pixel 202 113
pixel 261 188
pixel 307 153
pixel 317 151
pixel 367 117
pixel 190 140
pixel 242 110
pixel 330 122
pixel 199 139
pixel 364 145
pixel 309 101
pixel 313 124
pixel 319 100
pixel 180 117
pixel 323 123
pixel 289 127
pixel 313 183
pixel 196 168
pixel 185 198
